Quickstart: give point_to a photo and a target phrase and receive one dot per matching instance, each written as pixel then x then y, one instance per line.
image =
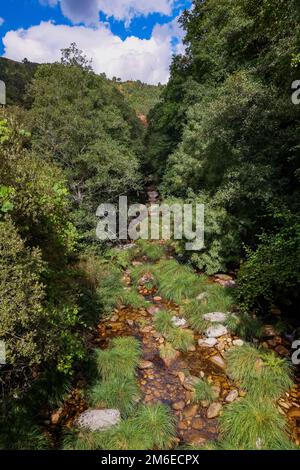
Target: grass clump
pixel 252 424
pixel 261 373
pixel 245 326
pixel 152 251
pixel 181 340
pixel 118 393
pixel 158 423
pixel 163 322
pixel 176 282
pixel 203 392
pixel 131 298
pixel 120 360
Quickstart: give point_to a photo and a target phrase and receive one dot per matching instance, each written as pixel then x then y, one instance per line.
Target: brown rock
pixel 145 365
pixel 196 438
pixel 294 413
pixel 198 424
pixel 157 299
pixel 56 417
pixel 232 396
pixel 181 377
pixel 153 310
pixel 282 351
pixel 214 410
pixel 178 406
pixel 190 412
pixel 182 426
pixel 218 361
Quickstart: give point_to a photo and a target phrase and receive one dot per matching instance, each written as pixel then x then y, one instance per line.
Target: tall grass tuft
pixel 252 424
pixel 181 340
pixel 261 373
pixel 203 392
pixel 120 360
pixel 163 322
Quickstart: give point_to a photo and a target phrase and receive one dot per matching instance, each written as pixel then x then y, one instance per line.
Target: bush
pixel 120 360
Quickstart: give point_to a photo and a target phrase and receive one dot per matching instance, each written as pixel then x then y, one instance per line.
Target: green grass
pixel 153 426
pixel 203 392
pixel 152 251
pixel 245 326
pixel 158 422
pixel 261 373
pixel 120 360
pixel 193 312
pixel 163 322
pixel 131 298
pixel 251 424
pixel 138 272
pixel 118 393
pixel 218 300
pixel 180 339
pixel 177 282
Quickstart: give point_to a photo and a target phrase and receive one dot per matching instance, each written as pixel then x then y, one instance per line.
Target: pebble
pixel 197 424
pixel 215 317
pixel 214 410
pixel 190 412
pixel 218 361
pixel 216 331
pixel 178 406
pixel 238 342
pixel 207 343
pixel 145 365
pixel 232 396
pixel 179 322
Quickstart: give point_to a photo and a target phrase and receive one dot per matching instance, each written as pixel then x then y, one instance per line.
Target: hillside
pixel 16 76
pixel 141 97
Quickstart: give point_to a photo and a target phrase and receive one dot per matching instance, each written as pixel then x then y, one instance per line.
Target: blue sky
pixel 131 39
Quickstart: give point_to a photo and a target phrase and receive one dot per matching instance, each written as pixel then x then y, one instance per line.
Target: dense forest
pixel 186 350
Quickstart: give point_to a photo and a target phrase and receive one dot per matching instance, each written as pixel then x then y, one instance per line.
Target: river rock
pixel 145 365
pixel 215 317
pixel 214 410
pixel 238 342
pixel 98 420
pixel 153 310
pixel 216 331
pixel 232 396
pixel 202 296
pixel 179 322
pixel 207 343
pixel 178 406
pixel 218 361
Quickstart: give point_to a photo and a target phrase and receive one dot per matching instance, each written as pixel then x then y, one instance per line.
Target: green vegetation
pixel 17 77
pixel 117 369
pixel 252 424
pixel 180 339
pixel 152 426
pixel 262 374
pixel 140 96
pixel 163 322
pixel 245 325
pixel 203 391
pixel 225 134
pixel 150 250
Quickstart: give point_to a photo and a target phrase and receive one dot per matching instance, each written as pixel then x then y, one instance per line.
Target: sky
pixel 129 39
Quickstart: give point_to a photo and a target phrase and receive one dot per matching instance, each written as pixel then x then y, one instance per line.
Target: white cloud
pixel 1 21
pixel 147 60
pixel 87 11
